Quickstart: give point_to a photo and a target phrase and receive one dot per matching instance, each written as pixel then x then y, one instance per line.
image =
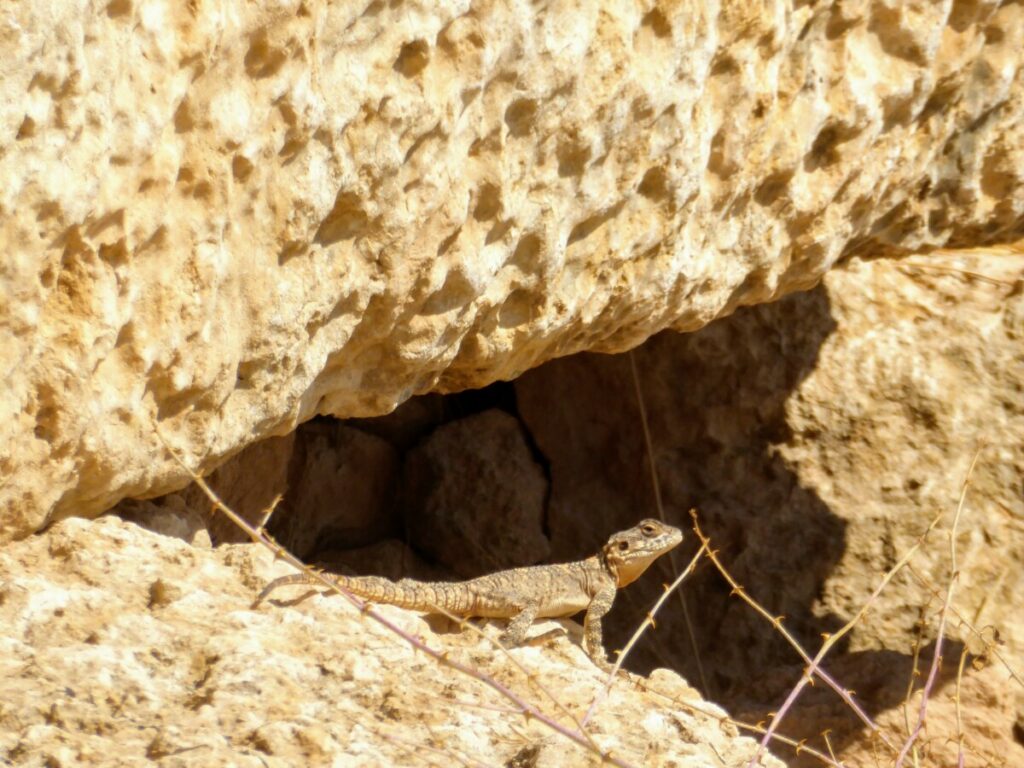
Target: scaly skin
pixel 525 594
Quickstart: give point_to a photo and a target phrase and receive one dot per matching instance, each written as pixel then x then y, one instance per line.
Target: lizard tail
pixel 421 596
pixel 283 581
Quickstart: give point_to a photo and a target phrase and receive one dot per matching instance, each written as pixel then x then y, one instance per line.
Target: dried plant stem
pixel 656 485
pixel 828 743
pixel 914 668
pixel 990 646
pixel 813 669
pixel 959 718
pixel 954 576
pixel 647 622
pixel 524 707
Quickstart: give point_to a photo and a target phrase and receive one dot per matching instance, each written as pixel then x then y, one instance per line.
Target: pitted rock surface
pixel 229 218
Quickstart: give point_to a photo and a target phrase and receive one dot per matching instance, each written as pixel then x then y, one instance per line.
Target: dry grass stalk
pixel 959 718
pixel 656 485
pixel 991 644
pixel 936 664
pixel 915 670
pixel 813 669
pixel 912 265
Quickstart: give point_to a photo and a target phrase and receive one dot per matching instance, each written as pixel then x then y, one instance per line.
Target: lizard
pixel 525 594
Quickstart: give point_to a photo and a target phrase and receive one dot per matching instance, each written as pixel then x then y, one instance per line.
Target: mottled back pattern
pixel 525 594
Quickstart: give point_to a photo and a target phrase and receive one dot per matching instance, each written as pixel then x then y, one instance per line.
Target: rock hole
pixel 572 158
pixel 658 24
pixel 27 129
pixel 488 203
pixel 498 231
pixel 773 187
pixel 895 36
pixel 525 255
pixel 346 221
pixel 825 148
pixel 445 245
pixel 412 58
pixel 942 98
pixel 457 291
pixel 994 34
pixel 519 117
pixel 964 14
pixel 241 168
pixel 263 59
pixel 654 185
pixel 718 161
pixel 518 308
pixel 183 119
pixel 588 226
pixel 116 8
pixel 838 24
pixel 723 64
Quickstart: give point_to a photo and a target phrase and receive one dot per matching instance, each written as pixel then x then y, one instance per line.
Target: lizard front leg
pixel 592 639
pixel 516 630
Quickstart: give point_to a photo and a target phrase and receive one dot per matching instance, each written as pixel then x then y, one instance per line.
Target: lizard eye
pixel 648 529
pixel 623 546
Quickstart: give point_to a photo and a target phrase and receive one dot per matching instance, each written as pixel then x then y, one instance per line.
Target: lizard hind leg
pixel 515 633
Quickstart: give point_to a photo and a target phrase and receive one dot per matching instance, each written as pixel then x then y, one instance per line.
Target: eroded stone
pixel 227 219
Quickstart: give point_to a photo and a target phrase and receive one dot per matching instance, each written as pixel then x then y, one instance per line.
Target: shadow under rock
pixel 715 401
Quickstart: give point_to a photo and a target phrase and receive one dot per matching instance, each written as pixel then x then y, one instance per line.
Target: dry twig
pixel 813 669
pixel 937 655
pixel 656 485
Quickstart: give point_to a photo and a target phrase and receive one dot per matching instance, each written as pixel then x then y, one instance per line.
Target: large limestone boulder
pixel 125 647
pixel 226 218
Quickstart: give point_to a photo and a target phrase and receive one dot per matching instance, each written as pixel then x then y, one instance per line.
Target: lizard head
pixel 628 553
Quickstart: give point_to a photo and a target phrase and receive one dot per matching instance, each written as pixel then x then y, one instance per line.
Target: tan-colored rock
pixel 924 369
pixel 341 492
pixel 122 646
pixel 474 497
pixel 988 713
pixel 818 436
pixel 228 218
pixel 173 515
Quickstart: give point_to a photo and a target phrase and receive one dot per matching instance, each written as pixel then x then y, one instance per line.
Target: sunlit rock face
pixel 124 646
pixel 228 218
